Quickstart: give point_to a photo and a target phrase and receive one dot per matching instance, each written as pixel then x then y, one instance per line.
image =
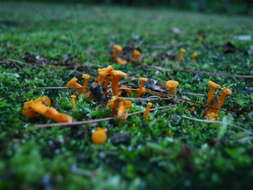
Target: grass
pixel 168 151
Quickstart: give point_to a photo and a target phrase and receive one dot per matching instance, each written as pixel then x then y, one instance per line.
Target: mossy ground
pixel 192 155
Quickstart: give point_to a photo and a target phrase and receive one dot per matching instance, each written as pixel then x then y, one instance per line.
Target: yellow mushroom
pixel 104 74
pixel 116 50
pixel 73 83
pixel 120 61
pixel 172 85
pixel 136 55
pixel 180 57
pixel 41 106
pixel 224 94
pixel 117 75
pixel 147 112
pixel 194 56
pixel 141 90
pixel 124 105
pixel 73 101
pixel 85 81
pixel 99 136
pixel 213 87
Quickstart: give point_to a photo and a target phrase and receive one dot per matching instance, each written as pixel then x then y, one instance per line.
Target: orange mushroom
pixel 41 106
pixel 147 112
pixel 117 75
pixel 212 114
pixel 180 57
pixel 124 105
pixel 194 56
pixel 136 55
pixel 213 87
pixel 141 90
pixel 73 83
pixel 120 61
pixel 99 136
pixel 104 74
pixel 73 101
pixel 113 103
pixel 85 81
pixel 172 85
pixel 116 50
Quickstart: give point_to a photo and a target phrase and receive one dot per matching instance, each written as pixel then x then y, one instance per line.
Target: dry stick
pixel 97 120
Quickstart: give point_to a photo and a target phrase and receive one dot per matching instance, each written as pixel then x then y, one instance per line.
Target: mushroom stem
pixel 136 55
pixel 40 106
pixel 117 75
pixel 225 93
pixel 85 81
pixel 213 87
pixel 147 112
pixel 73 83
pixel 172 85
pixel 73 101
pixel 141 90
pixel 124 105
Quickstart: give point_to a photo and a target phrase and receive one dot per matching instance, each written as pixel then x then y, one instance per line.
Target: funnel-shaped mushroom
pixel 117 75
pixel 104 74
pixel 147 112
pixel 116 50
pixel 120 61
pixel 141 90
pixel 124 105
pixel 136 55
pixel 194 56
pixel 213 87
pixel 85 81
pixel 73 83
pixel 40 106
pixel 73 101
pixel 172 85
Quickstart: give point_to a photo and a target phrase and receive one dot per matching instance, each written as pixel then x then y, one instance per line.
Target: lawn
pixel 45 45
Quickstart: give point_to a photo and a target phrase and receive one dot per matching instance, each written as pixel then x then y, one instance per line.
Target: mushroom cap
pixel 127 104
pixel 137 53
pixel 73 96
pixel 143 79
pixel 105 71
pixel 118 73
pixel 213 84
pixel 149 104
pixel 195 54
pixel 120 61
pixel 27 110
pixel 172 84
pixel 227 91
pixel 85 76
pixel 99 136
pixel 117 48
pixel 182 51
pixel 72 82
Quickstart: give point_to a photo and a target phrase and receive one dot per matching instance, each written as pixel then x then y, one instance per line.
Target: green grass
pixel 196 155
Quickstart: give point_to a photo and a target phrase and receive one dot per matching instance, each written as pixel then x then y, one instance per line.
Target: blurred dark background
pixel 209 6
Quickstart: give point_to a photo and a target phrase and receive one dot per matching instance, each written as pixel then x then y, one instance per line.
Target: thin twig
pixel 96 120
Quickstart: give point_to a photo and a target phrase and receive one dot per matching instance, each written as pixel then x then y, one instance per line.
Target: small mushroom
pixel 41 106
pixel 172 85
pixel 99 136
pixel 104 74
pixel 73 101
pixel 113 103
pixel 147 112
pixel 116 50
pixel 213 87
pixel 73 83
pixel 182 52
pixel 117 75
pixel 194 56
pixel 141 90
pixel 85 81
pixel 120 61
pixel 136 55
pixel 124 105
pixel 212 114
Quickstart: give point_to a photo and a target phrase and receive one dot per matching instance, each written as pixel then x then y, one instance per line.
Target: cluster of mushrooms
pixel 108 79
